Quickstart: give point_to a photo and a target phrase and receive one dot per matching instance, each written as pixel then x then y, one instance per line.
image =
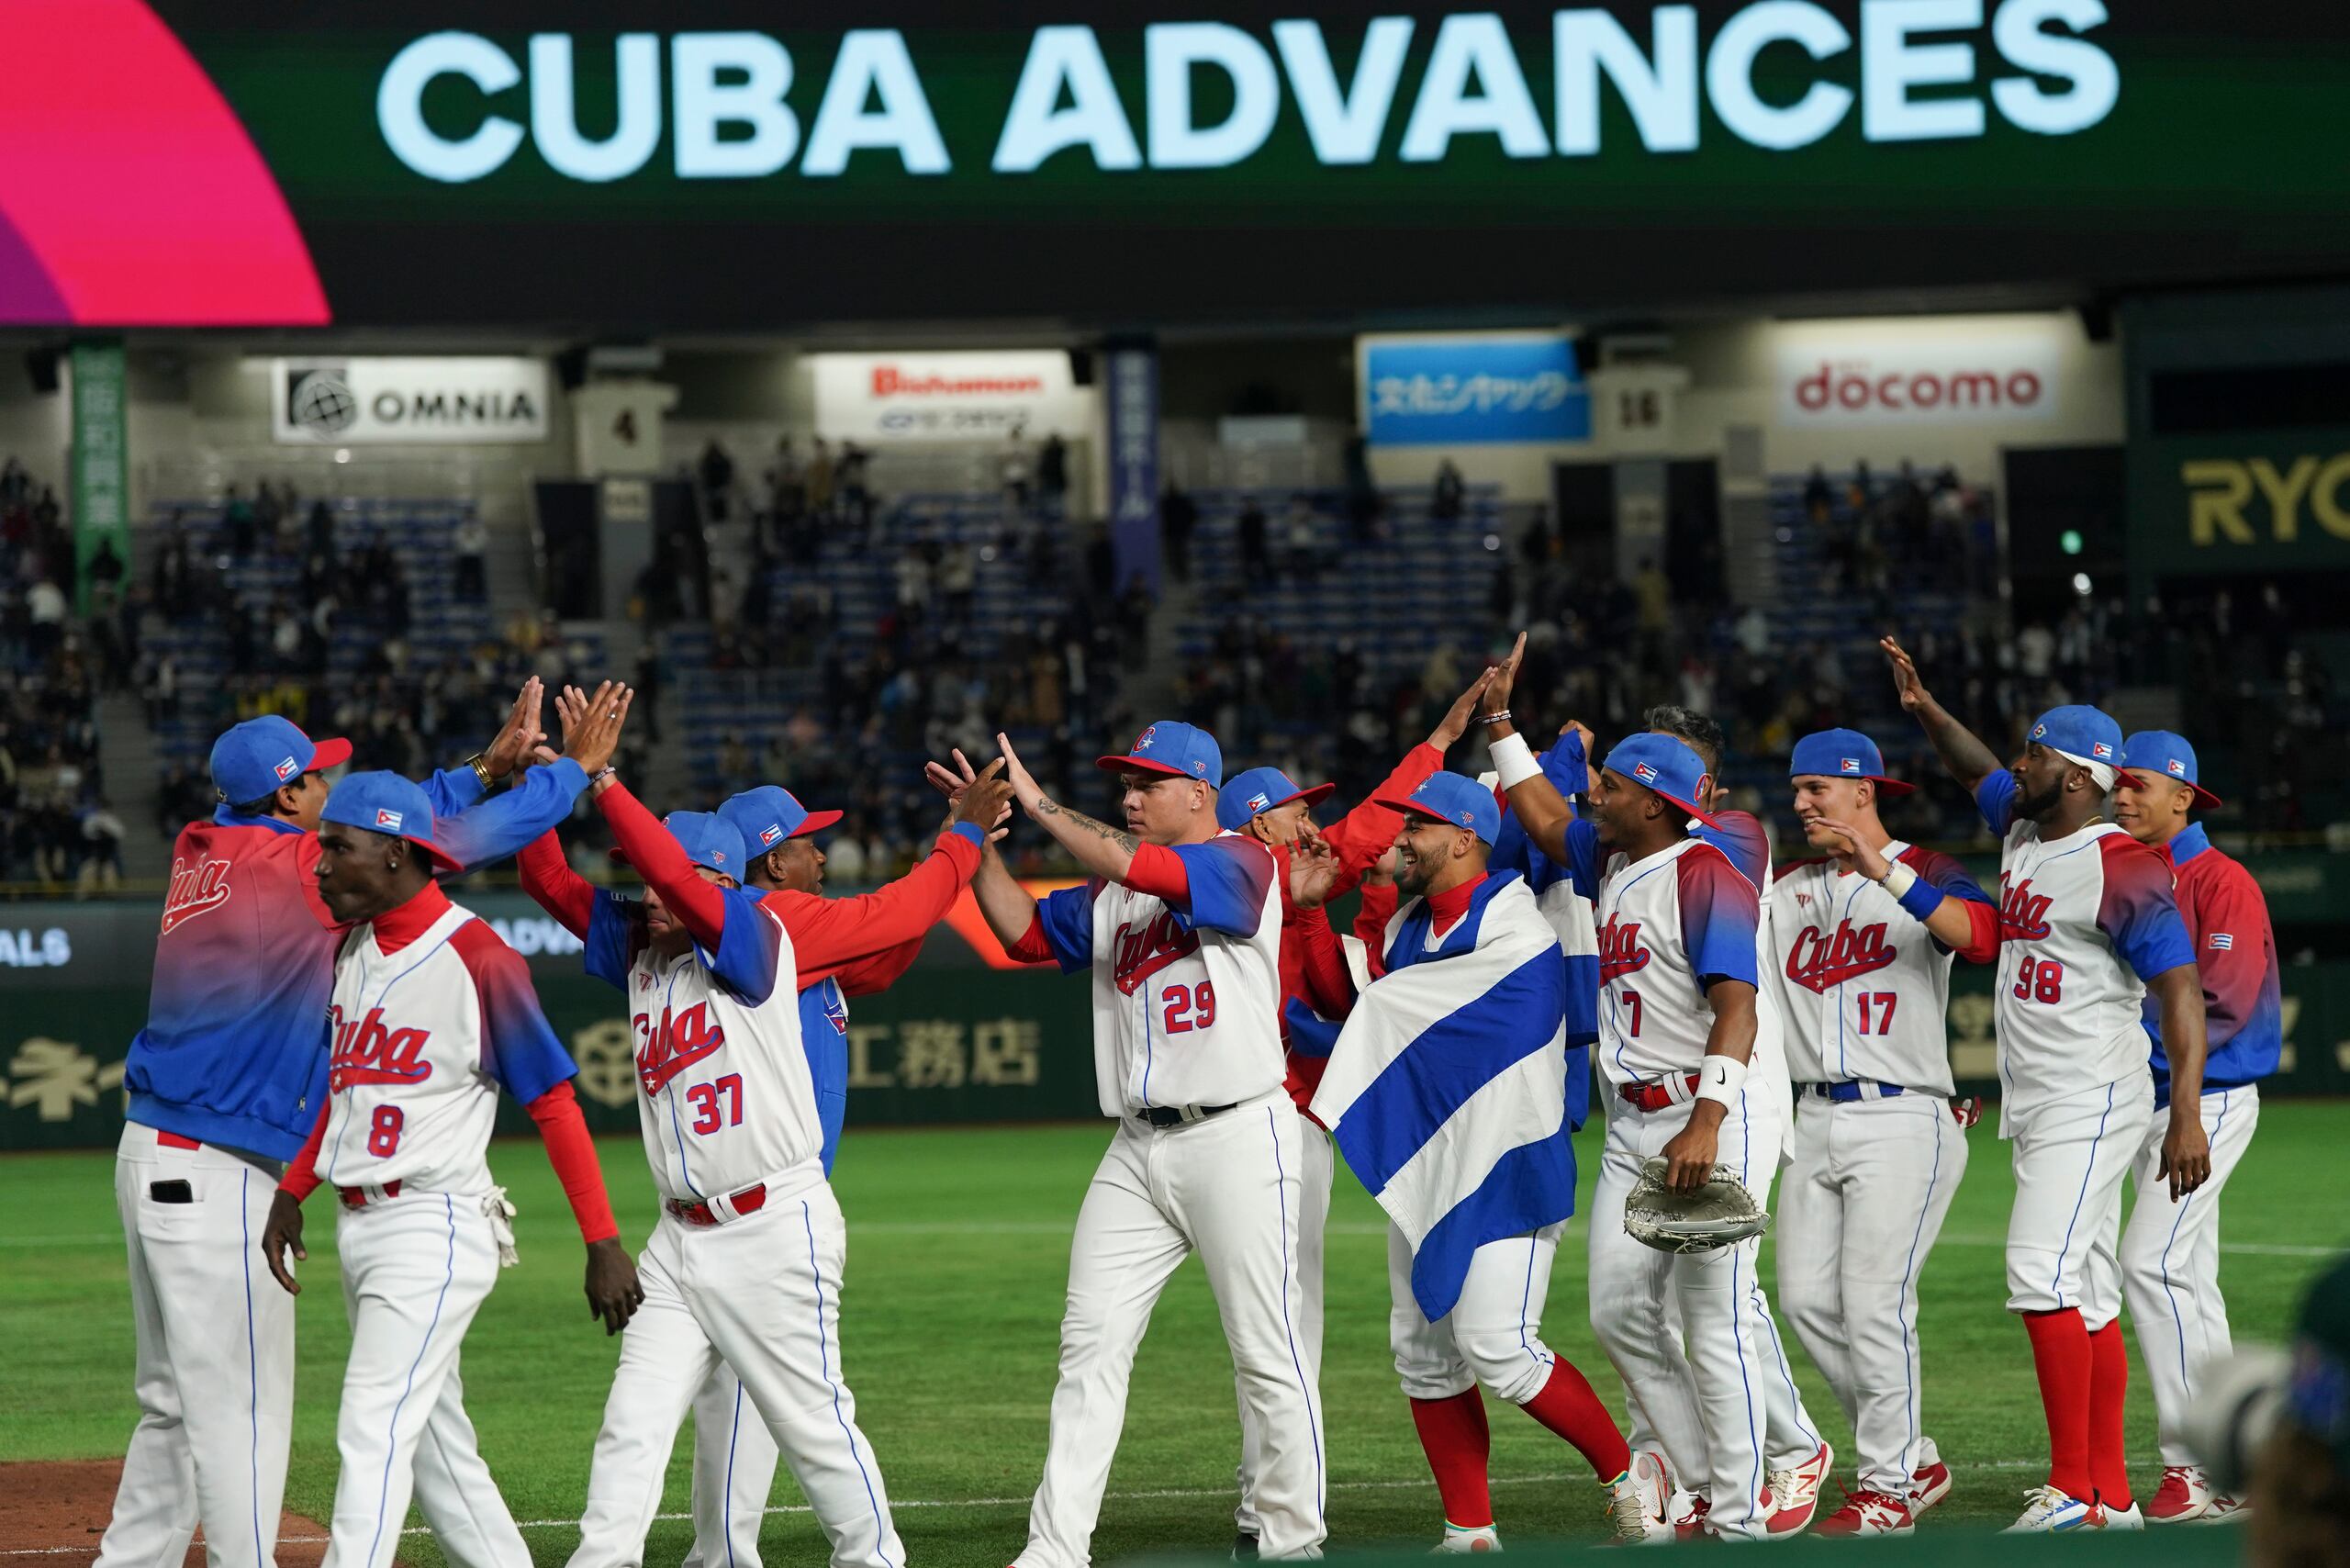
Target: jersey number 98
pixel 2038 979
pixel 1189 1007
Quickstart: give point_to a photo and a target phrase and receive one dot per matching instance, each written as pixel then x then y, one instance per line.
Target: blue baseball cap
pixel 770 814
pixel 2166 755
pixel 260 756
pixel 1844 753
pixel 708 839
pixel 1450 797
pixel 386 803
pixel 1260 790
pixel 2080 731
pixel 1665 764
pixel 1176 749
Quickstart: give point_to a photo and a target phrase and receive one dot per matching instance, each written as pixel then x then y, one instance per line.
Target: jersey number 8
pixel 383 1131
pixel 2038 979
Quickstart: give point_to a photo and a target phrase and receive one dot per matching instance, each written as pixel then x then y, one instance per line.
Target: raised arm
pixel 828 935
pixel 1104 851
pixel 1540 810
pixel 1313 874
pixel 1363 835
pixel 1942 897
pixel 554 886
pixel 1963 758
pixel 454 790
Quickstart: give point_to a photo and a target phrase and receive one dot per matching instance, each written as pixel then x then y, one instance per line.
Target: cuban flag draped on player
pixel 1445 1088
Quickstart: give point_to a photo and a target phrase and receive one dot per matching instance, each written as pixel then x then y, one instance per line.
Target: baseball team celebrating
pixel 324 1015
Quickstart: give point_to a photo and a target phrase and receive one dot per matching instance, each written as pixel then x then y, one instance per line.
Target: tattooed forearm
pixel 1046 808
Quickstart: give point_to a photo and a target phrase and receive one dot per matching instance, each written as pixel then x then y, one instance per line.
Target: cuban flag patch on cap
pixel 1644 773
pixel 719 856
pixel 2100 751
pixel 2040 731
pixel 2223 942
pixel 770 834
pixel 1849 765
pixel 286 769
pixel 387 819
pixel 1258 801
pixel 2177 769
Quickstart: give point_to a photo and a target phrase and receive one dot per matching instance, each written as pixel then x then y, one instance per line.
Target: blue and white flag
pixel 1447 1090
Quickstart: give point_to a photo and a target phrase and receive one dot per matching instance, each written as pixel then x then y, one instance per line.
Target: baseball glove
pixel 1718 1213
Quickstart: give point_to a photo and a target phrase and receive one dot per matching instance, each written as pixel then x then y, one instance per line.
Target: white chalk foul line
pixel 1163 1494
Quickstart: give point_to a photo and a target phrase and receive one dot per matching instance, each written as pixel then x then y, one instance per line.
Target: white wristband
pixel 1721 1078
pixel 1513 761
pixel 1898 879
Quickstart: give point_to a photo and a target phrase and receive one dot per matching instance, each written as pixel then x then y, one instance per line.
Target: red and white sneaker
pixel 1794 1493
pixel 1640 1504
pixel 2224 1511
pixel 1928 1486
pixel 1870 1512
pixel 1692 1525
pixel 2185 1496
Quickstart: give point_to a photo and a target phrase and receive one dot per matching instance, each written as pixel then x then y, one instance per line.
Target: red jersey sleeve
pixel 301 1178
pixel 554 886
pixel 830 935
pixel 700 906
pixel 869 977
pixel 1329 984
pixel 573 1154
pixel 1362 835
pixel 1378 908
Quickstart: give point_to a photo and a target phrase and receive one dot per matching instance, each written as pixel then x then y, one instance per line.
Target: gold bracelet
pixel 480 772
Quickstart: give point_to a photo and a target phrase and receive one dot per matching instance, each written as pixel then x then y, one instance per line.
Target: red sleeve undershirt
pixel 1982 933
pixel 1370 921
pixel 1329 984
pixel 554 886
pixel 573 1154
pixel 1031 947
pixel 700 906
pixel 1159 872
pixel 1363 835
pixel 828 935
pixel 301 1178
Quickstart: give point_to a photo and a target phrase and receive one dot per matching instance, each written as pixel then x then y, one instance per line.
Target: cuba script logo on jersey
pixel 196 889
pixel 1818 961
pixel 1142 953
pixel 681 1040
pixel 2024 914
pixel 367 1052
pixel 1620 950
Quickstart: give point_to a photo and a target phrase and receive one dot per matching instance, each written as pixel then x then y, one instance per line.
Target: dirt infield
pixel 54 1511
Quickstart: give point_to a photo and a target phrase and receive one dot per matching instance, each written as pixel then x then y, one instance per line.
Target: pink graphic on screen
pixel 129 194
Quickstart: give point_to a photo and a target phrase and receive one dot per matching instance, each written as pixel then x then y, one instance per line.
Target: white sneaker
pixel 1636 1506
pixel 2124 1518
pixel 1794 1493
pixel 1483 1539
pixel 2225 1511
pixel 2049 1511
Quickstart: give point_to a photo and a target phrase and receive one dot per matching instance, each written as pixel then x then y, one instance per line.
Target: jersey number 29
pixel 1189 1007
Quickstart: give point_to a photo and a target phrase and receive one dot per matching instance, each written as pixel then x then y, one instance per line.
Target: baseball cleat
pixel 2124 1518
pixel 1690 1525
pixel 1794 1493
pixel 1636 1505
pixel 1485 1538
pixel 1869 1512
pixel 2184 1496
pixel 1244 1547
pixel 2048 1511
pixel 1929 1484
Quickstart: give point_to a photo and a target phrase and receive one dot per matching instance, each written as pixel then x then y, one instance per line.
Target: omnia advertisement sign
pixel 608 165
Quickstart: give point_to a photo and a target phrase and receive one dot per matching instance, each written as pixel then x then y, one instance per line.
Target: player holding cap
pixel 226 1081
pixel 2089 931
pixel 1862 941
pixel 2170 1252
pixel 744 1266
pixel 1481 1180
pixel 1180 925
pixel 432 1014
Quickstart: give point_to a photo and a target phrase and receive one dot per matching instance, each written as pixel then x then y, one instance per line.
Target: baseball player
pixel 1677 953
pixel 744 1266
pixel 1181 927
pixel 1469 1149
pixel 735 1455
pixel 432 1014
pixel 2170 1252
pixel 1862 986
pixel 2089 931
pixel 226 1081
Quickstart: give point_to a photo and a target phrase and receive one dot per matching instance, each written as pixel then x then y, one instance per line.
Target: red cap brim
pixel 1892 787
pixel 328 754
pixel 1140 765
pixel 1316 796
pixel 815 822
pixel 2203 797
pixel 438 855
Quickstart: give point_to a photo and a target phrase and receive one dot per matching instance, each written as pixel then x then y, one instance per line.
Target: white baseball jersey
pixel 2085 921
pixel 725 1091
pixel 1186 999
pixel 1668 923
pixel 424 1038
pixel 1862 985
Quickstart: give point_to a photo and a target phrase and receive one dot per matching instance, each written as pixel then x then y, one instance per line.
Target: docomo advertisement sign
pixel 362 402
pixel 1891 372
pixel 949 396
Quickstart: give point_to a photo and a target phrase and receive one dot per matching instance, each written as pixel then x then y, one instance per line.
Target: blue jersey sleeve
pixel 1578 1085
pixel 454 789
pixel 1068 916
pixel 750 948
pixel 1996 799
pixel 823 1035
pixel 2138 911
pixel 518 1047
pixel 1720 914
pixel 1584 858
pixel 615 931
pixel 1583 999
pixel 1739 835
pixel 501 825
pixel 1229 878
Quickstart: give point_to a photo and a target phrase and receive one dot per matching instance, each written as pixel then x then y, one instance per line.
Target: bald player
pixel 2170 1253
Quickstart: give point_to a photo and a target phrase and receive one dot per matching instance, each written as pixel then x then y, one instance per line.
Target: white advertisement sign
pixel 357 401
pixel 949 396
pixel 1922 371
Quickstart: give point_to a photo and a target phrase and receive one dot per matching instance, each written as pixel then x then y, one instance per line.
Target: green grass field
pixel 958 1245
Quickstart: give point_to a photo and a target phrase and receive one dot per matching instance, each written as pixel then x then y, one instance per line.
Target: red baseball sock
pixel 2109 1388
pixel 1569 1407
pixel 1454 1435
pixel 2060 1353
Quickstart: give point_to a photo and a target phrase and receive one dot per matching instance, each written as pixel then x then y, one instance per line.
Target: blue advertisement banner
pixel 1455 391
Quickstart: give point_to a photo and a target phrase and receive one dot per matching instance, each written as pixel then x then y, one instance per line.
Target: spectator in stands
pixel 472 542
pixel 1818 498
pixel 1303 538
pixel 1012 467
pixel 1179 515
pixel 915 578
pixel 319 532
pixel 1363 504
pixel 958 581
pixel 102 834
pixel 1052 475
pixel 852 478
pixel 1255 551
pixel 46 612
pixel 1451 496
pixel 716 471
pixel 237 518
pixel 820 481
pixel 268 514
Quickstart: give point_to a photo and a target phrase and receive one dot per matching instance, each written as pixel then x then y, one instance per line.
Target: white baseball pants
pixel 1492 1337
pixel 734 1460
pixel 761 1294
pixel 414 1270
pixel 1317 1163
pixel 2170 1261
pixel 1865 1199
pixel 2070 1156
pixel 214 1367
pixel 1718 1383
pixel 1232 1187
